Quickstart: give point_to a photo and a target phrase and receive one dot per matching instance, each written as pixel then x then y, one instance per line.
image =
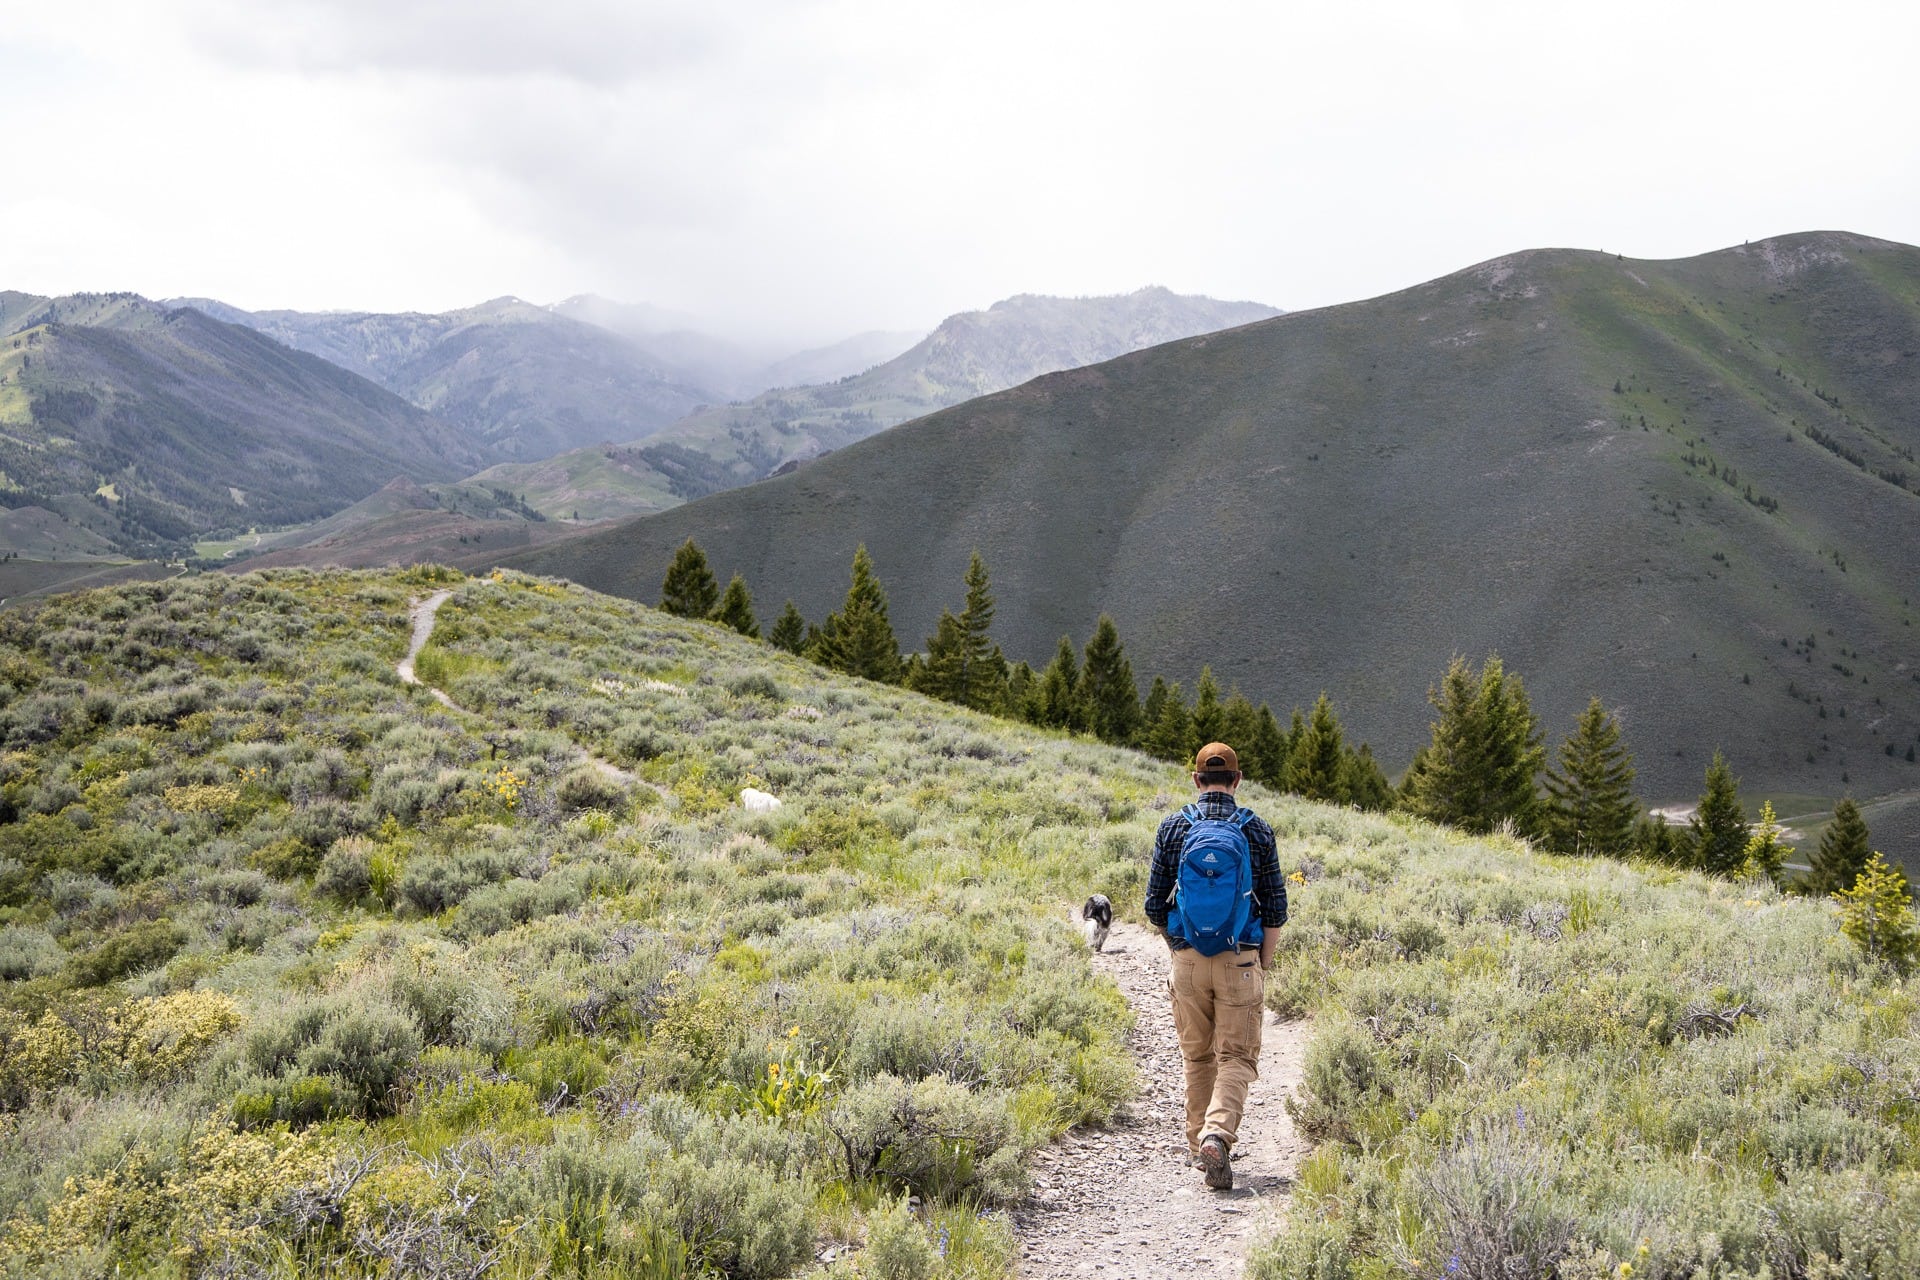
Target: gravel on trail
pixel 1121 1203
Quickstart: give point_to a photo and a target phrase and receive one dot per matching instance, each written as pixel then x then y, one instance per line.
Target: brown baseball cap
pixel 1216 755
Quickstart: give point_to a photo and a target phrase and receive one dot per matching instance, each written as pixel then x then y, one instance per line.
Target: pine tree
pixel 940 675
pixel 1265 759
pixel 1209 718
pixel 1716 841
pixel 1367 785
pixel 859 640
pixel 1061 706
pixel 1590 807
pixel 1478 770
pixel 736 608
pixel 789 630
pixel 1021 685
pixel 1844 850
pixel 963 663
pixel 689 590
pixel 1765 855
pixel 1239 722
pixel 1655 840
pixel 1877 914
pixel 1106 680
pixel 1315 769
pixel 1170 736
pixel 1153 707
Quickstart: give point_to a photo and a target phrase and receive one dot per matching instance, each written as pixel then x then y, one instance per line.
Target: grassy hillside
pixel 146 428
pixel 970 354
pixel 1350 496
pixel 522 380
pixel 302 973
pixel 403 524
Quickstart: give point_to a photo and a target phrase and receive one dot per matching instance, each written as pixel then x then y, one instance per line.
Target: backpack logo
pixel 1212 906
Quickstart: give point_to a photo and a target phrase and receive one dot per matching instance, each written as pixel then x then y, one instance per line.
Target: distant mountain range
pixel 733 369
pixel 138 428
pixel 1688 487
pixel 970 354
pixel 523 381
pixel 124 414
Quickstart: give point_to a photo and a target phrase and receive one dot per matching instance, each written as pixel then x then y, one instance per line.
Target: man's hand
pixel 1269 941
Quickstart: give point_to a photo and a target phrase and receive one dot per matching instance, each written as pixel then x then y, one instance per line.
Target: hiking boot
pixel 1216 1164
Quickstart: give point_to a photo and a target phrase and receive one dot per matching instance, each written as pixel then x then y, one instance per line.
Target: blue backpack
pixel 1212 908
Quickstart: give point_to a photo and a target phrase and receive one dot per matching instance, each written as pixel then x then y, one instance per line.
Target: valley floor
pixel 1121 1203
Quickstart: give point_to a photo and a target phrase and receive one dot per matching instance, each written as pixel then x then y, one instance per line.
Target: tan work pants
pixel 1218 1005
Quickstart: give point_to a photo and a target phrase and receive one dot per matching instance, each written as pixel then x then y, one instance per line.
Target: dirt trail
pixel 1121 1203
pixel 423 613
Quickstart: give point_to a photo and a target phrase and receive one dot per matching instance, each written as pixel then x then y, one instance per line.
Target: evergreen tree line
pixel 1484 769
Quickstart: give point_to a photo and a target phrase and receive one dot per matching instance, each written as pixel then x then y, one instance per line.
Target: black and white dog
pixel 1097 918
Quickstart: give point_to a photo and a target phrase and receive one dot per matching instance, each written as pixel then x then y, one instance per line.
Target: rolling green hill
pixel 144 428
pixel 523 380
pixel 305 973
pixel 1686 486
pixel 405 523
pixel 970 354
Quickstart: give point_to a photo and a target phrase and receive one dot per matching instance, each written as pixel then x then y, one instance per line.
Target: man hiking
pixel 1216 893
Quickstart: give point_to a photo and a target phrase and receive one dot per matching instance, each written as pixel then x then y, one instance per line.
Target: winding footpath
pixel 422 613
pixel 1121 1203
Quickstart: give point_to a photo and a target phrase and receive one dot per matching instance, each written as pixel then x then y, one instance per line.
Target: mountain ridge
pixel 1459 467
pixel 970 353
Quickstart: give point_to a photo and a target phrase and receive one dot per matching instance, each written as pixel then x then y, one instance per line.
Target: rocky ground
pixel 1121 1203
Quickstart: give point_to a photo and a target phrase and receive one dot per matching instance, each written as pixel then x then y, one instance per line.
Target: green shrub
pixel 366 1048
pixel 137 947
pixel 897 1245
pixel 346 873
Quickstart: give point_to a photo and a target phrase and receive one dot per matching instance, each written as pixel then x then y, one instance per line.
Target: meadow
pixel 304 974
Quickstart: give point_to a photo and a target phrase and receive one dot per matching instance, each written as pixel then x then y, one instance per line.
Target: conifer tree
pixel 1765 855
pixel 939 676
pixel 1061 705
pixel 1153 707
pixel 1265 759
pixel 1655 840
pixel 689 590
pixel 1315 769
pixel 1716 841
pixel 1170 736
pixel 789 630
pixel 1021 686
pixel 1590 807
pixel 858 640
pixel 1238 724
pixel 1877 914
pixel 1106 680
pixel 1367 785
pixel 1209 717
pixel 736 608
pixel 963 664
pixel 1844 849
pixel 1478 770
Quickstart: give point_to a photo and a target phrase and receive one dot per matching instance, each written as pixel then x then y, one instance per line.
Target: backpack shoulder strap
pixel 1190 812
pixel 1241 817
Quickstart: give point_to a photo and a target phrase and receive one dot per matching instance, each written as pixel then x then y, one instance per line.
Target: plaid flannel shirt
pixel 1269 886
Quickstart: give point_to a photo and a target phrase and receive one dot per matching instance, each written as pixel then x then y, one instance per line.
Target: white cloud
pixel 816 168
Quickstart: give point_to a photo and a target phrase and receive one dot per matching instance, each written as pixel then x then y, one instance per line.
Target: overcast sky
pixel 804 170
